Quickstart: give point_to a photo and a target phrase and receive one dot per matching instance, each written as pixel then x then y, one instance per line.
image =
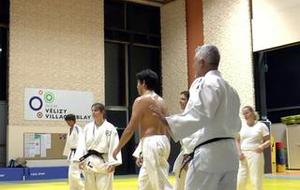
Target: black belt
pixel 73 151
pixel 190 156
pixel 92 152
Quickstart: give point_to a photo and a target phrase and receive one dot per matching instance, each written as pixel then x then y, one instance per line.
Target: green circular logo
pixel 49 97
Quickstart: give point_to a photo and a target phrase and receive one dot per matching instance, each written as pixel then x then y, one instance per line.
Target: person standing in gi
pixel 213 109
pixel 187 146
pixel 74 173
pixel 95 150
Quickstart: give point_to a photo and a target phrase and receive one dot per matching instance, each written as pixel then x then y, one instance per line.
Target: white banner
pixel 48 104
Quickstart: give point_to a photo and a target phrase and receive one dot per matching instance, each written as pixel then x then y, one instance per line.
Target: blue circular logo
pixel 35 103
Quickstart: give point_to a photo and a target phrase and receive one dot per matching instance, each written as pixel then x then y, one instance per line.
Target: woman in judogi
pixel 95 149
pixel 74 174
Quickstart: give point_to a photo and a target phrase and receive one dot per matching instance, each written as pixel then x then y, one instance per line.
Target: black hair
pixel 186 94
pixel 149 77
pixel 70 117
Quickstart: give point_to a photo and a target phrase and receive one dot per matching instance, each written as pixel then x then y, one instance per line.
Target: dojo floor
pixel 284 181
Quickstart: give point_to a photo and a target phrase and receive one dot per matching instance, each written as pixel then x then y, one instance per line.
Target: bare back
pixel 149 124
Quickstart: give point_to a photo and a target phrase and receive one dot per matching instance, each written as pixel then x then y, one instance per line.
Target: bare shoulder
pixel 152 98
pixel 163 105
pixel 157 98
pixel 139 100
pixel 160 102
pixel 160 99
pixel 139 103
pixel 145 101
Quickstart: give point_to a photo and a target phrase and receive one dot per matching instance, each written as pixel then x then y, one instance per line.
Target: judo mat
pixel 271 182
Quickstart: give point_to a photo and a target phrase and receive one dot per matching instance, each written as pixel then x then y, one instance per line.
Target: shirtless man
pixel 155 145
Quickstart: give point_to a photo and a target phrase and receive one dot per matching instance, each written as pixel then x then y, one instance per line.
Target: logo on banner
pixel 37 102
pixel 49 97
pixel 48 104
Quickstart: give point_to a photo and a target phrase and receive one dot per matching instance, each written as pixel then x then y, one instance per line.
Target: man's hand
pixel 241 156
pixel 139 161
pixel 111 168
pixel 260 149
pixel 158 113
pixel 115 153
pixel 81 165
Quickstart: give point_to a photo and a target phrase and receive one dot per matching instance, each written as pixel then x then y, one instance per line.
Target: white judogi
pixel 74 178
pixel 213 109
pixel 252 166
pixel 103 139
pixel 138 151
pixel 154 172
pixel 187 146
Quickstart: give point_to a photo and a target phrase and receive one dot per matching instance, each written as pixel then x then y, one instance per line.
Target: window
pixel 132 43
pixel 3 64
pixel 115 81
pixel 277 81
pixel 114 14
pixel 4 12
pixel 147 21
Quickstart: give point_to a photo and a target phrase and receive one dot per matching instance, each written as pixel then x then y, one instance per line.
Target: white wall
pixel 174 53
pixel 227 25
pixel 54 44
pixel 275 23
